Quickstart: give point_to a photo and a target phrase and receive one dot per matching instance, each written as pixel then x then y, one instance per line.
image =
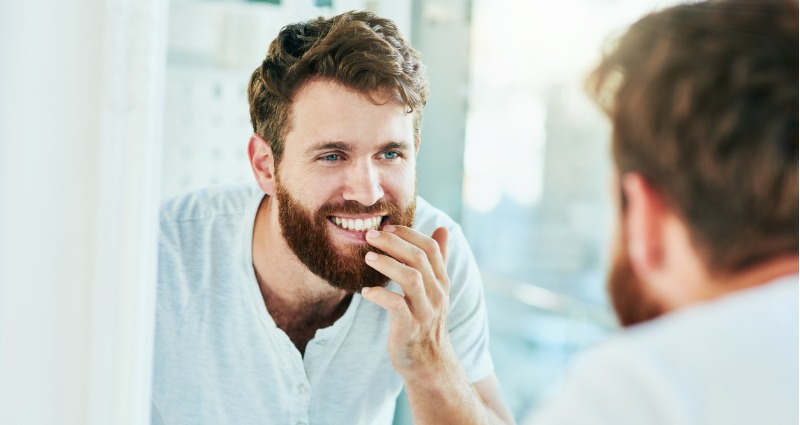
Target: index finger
pixel 435 247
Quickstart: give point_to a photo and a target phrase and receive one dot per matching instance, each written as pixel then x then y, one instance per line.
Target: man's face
pixel 348 166
pixel 631 297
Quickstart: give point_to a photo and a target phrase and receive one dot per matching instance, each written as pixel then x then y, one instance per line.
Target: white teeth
pixel 358 224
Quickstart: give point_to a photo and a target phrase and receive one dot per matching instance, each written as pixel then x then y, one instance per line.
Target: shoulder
pixel 427 218
pixel 742 319
pixel 680 347
pixel 715 352
pixel 207 203
pixel 207 229
pixel 612 383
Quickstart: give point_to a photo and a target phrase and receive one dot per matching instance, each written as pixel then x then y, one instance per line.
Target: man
pixel 703 100
pixel 277 304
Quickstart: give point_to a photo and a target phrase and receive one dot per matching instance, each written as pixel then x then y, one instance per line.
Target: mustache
pixel 354 207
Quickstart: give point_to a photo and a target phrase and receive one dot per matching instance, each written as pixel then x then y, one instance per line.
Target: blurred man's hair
pixel 703 99
pixel 359 50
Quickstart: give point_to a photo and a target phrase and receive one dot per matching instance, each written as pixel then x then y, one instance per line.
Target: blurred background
pixel 110 106
pixel 511 148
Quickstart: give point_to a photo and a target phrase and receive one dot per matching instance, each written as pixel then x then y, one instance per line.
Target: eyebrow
pixel 339 146
pixel 348 147
pixel 396 146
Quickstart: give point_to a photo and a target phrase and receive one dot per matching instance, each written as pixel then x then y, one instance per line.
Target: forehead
pixel 326 111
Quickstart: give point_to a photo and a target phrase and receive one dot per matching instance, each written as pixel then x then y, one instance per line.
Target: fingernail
pixel 371 256
pixel 364 290
pixel 389 228
pixel 373 233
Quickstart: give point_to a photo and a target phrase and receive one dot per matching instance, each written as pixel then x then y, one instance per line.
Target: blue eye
pixel 391 155
pixel 332 157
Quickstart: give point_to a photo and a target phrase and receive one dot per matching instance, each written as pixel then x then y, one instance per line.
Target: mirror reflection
pixel 511 159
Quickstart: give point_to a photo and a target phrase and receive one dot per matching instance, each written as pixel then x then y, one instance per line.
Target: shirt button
pixel 302 389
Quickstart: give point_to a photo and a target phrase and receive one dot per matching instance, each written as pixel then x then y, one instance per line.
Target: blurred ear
pixel 263 163
pixel 416 146
pixel 645 223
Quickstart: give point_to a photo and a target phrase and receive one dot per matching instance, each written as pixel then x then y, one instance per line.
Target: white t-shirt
pixel 220 358
pixel 732 361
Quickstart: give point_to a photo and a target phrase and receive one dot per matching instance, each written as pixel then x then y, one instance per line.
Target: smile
pixel 357 224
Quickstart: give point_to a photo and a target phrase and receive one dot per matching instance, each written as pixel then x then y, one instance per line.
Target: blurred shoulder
pixel 428 218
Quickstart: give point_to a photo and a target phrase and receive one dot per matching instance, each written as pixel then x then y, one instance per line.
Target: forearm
pixel 443 395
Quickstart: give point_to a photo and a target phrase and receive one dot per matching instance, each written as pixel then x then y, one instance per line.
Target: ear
pixel 263 163
pixel 644 219
pixel 416 146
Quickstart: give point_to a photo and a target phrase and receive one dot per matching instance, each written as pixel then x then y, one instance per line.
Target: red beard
pixel 308 236
pixel 632 301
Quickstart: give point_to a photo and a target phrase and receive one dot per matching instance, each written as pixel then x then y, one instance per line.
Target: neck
pixel 755 275
pixel 299 302
pixel 713 286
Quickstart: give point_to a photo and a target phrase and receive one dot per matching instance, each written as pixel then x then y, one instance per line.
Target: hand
pixel 419 344
pixel 418 338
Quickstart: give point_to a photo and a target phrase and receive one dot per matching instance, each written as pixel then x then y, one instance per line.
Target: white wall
pixel 80 129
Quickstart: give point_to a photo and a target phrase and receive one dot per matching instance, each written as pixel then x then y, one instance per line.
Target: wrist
pixel 435 370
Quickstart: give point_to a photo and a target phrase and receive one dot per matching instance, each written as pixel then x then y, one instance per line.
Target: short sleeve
pixel 467 321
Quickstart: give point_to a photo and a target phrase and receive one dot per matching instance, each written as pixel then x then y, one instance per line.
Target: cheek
pixel 400 185
pixel 319 192
pixel 308 190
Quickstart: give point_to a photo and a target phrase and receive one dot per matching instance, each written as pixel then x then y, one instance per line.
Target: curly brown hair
pixel 703 99
pixel 356 49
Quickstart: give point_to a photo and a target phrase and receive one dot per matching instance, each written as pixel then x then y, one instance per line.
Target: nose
pixel 363 183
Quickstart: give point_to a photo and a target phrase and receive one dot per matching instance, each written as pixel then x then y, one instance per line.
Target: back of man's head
pixel 359 50
pixel 703 99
